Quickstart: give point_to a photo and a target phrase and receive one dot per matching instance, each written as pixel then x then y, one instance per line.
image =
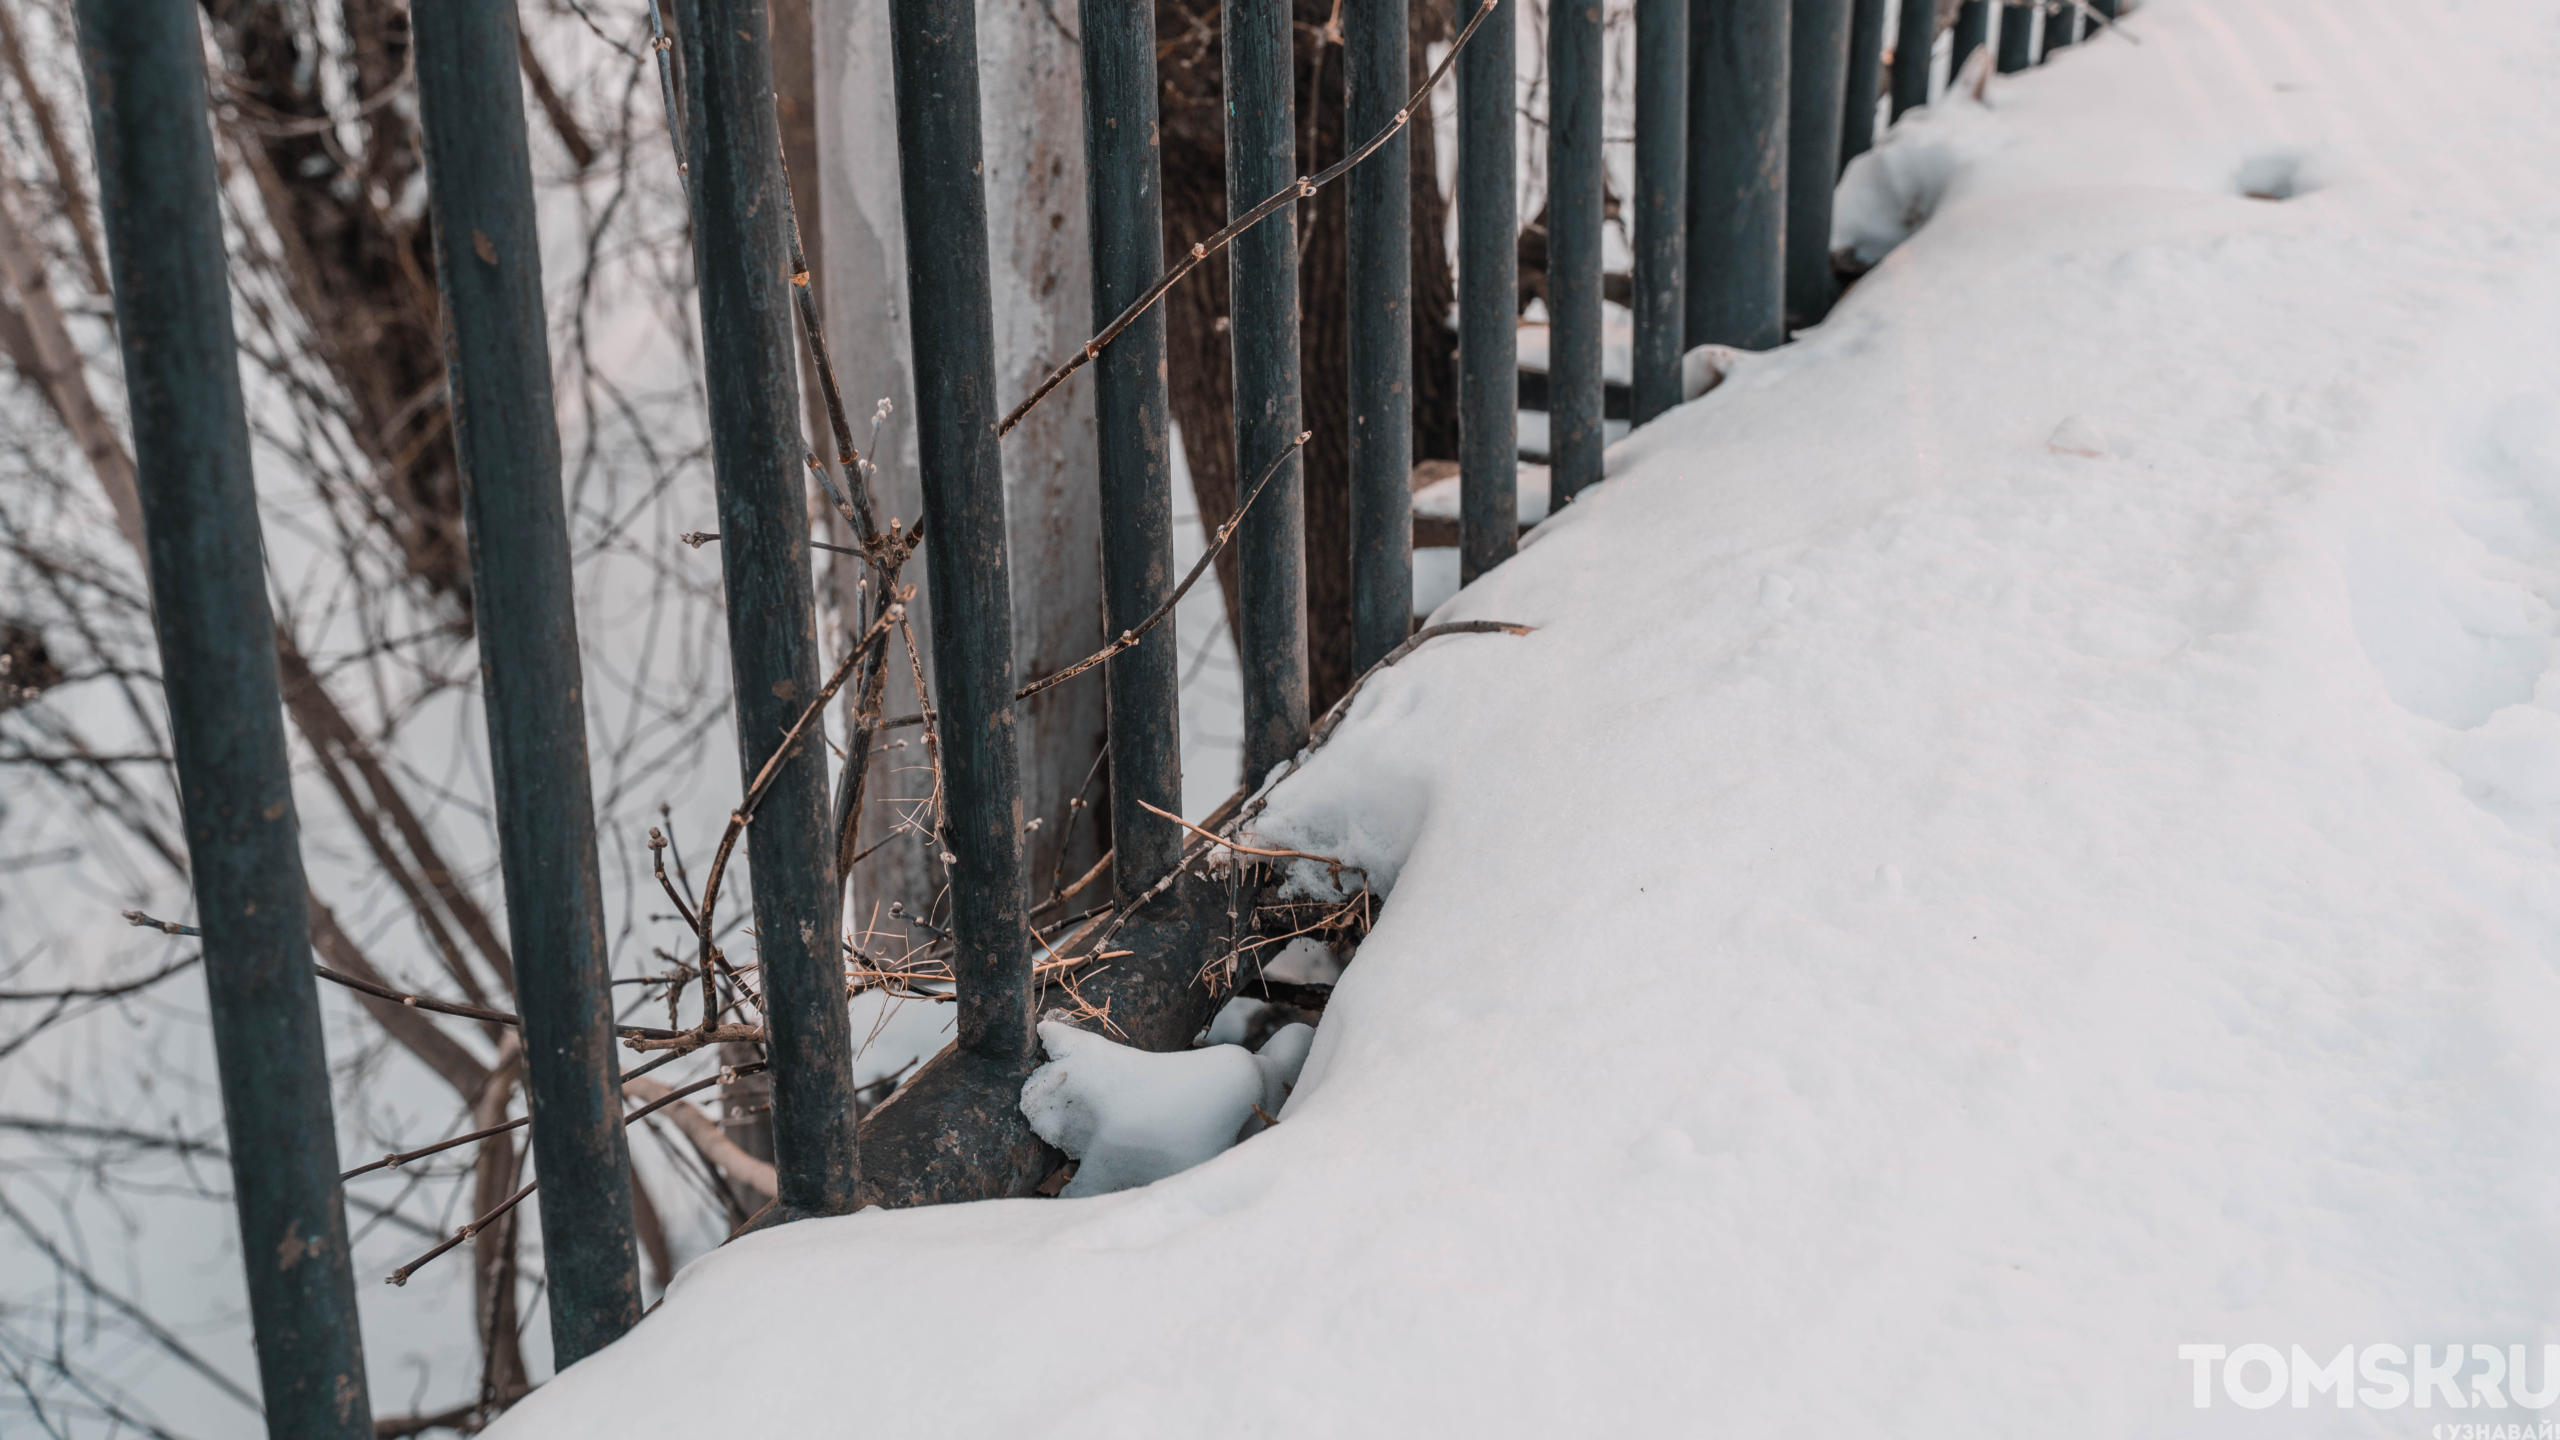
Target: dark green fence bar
pixel 1737 173
pixel 1661 203
pixel 1913 45
pixel 1376 84
pixel 1124 204
pixel 498 375
pixel 742 266
pixel 1819 51
pixel 2017 38
pixel 1488 298
pixel 1575 396
pixel 1262 308
pixel 144 61
pixel 948 298
pixel 1866 80
pixel 2061 28
pixel 1973 31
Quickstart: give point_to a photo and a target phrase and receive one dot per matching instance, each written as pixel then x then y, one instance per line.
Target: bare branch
pixel 103 992
pixel 704 1132
pixel 66 170
pixel 489 1217
pixel 40 347
pixel 160 1334
pixel 564 121
pixel 1217 543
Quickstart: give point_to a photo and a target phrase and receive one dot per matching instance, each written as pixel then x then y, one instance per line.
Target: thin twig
pixel 141 921
pixel 932 740
pixel 420 1002
pixel 856 508
pixel 661 44
pixel 1100 868
pixel 1245 849
pixel 401 1275
pixel 658 865
pixel 103 992
pixel 398 1159
pixel 696 539
pixel 1067 829
pixel 870 699
pixel 466 1012
pixel 1217 544
pixel 1333 714
pixel 738 818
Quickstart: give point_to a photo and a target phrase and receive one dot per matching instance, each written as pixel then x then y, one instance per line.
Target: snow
pixel 1304 961
pixel 1932 920
pixel 1440 499
pixel 1617 341
pixel 1212 695
pixel 2077 435
pixel 1234 1021
pixel 1132 1117
pixel 1435 577
pixel 1533 431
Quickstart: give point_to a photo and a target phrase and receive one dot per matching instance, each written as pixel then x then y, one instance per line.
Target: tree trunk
pixel 360 269
pixel 1034 173
pixel 1032 74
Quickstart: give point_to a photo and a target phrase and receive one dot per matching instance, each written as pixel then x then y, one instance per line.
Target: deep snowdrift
pixel 1933 920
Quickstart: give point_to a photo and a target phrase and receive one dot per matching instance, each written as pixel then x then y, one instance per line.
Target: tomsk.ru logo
pixel 2386 1377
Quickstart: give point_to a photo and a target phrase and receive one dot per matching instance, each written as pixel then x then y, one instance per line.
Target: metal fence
pixel 1745 113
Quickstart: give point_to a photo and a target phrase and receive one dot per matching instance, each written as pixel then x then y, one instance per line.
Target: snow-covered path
pixel 1932 921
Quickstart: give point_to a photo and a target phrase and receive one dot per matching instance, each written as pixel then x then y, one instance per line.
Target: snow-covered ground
pixel 2024 839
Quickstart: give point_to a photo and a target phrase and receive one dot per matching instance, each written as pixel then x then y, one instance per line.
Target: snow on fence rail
pixel 1731 100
